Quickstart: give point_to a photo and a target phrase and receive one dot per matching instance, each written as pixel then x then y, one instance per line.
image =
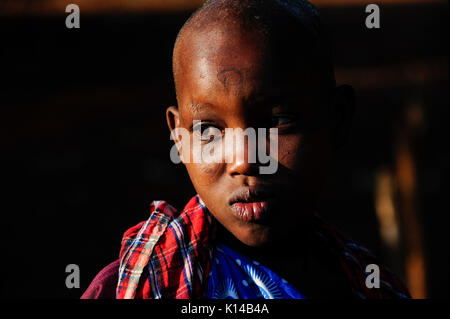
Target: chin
pixel 258 236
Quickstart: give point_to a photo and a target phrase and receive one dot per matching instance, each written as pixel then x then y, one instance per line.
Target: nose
pixel 241 150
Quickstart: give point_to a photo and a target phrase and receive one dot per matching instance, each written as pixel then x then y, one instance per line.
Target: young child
pixel 242 64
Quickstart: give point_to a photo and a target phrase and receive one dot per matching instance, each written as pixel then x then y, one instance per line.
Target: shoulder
pixel 386 285
pixel 359 265
pixel 103 286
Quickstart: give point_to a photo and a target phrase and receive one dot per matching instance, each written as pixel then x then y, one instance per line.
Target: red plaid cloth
pixel 168 256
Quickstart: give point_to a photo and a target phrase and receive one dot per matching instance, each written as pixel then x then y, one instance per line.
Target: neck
pixel 285 248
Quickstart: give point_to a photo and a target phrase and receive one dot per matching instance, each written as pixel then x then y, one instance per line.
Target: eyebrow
pixel 270 100
pixel 198 107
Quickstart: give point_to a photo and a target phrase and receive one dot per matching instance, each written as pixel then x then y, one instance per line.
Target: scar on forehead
pixel 231 77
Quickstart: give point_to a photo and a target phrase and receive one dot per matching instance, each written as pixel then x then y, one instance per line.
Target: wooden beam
pixel 52 7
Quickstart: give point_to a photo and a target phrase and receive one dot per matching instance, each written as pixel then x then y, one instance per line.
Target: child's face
pixel 232 81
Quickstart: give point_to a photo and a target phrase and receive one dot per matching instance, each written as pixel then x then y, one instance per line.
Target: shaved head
pixel 290 29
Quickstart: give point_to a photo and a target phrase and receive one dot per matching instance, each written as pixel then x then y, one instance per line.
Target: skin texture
pixel 228 77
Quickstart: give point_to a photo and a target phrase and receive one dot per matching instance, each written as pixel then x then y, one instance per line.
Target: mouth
pixel 251 204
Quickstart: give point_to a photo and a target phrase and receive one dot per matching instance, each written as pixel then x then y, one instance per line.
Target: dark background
pixel 85 147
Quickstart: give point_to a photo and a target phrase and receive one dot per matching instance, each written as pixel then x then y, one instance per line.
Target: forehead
pixel 232 63
pixel 223 55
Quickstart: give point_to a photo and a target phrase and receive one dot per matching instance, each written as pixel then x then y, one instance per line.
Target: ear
pixel 343 108
pixel 173 118
pixel 173 122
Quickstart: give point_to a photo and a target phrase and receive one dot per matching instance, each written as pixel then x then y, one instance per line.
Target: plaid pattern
pixel 168 256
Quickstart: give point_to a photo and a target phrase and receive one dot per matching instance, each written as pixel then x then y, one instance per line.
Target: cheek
pixel 304 155
pixel 289 151
pixel 201 172
pixel 204 174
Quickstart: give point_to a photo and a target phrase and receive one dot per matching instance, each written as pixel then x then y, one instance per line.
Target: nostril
pixel 243 168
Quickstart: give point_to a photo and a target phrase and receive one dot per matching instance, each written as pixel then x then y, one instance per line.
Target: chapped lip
pixel 251 194
pixel 251 204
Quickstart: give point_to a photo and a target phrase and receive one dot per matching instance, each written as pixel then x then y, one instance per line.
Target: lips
pixel 251 203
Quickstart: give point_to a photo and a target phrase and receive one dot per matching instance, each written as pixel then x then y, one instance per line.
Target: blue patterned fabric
pixel 234 276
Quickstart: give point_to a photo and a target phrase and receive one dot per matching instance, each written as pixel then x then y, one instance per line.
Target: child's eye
pixel 206 132
pixel 282 120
